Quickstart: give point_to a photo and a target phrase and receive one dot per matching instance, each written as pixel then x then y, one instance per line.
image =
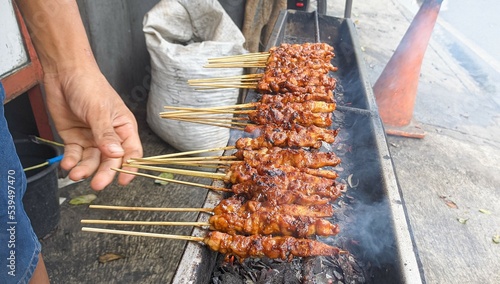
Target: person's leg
pixel 40 275
pixel 19 246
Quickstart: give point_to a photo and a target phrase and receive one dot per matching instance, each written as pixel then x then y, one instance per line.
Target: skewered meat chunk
pixel 304 50
pixel 288 116
pixel 290 67
pixel 285 248
pixel 296 136
pixel 239 205
pixel 313 55
pixel 276 82
pixel 298 158
pixel 312 106
pixel 271 223
pixel 242 171
pixel 288 190
pixel 298 97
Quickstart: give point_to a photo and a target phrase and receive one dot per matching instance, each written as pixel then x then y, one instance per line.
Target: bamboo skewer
pixel 203 115
pixel 243 81
pixel 220 176
pixel 209 123
pixel 211 112
pixel 144 223
pixel 246 56
pixel 194 152
pixel 241 61
pixel 247 105
pixel 190 161
pixel 170 162
pixel 218 158
pixel 159 209
pixel 247 77
pixel 142 234
pixel 173 180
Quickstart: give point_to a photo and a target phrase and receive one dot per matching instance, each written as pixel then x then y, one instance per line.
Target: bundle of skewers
pixel 279 192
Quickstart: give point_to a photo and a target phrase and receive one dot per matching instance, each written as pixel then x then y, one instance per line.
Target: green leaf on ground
pixel 164 175
pixel 83 199
pixel 463 220
pixel 496 239
pixel 484 211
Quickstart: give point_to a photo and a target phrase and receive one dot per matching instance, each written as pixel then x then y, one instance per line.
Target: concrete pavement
pixel 449 179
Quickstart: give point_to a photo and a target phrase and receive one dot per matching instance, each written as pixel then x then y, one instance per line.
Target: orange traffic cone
pixel 396 88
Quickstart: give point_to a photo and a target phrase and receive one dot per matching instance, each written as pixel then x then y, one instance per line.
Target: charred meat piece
pixel 285 248
pixel 271 223
pixel 289 190
pixel 239 205
pixel 274 81
pixel 298 158
pixel 242 172
pixel 295 136
pixel 326 96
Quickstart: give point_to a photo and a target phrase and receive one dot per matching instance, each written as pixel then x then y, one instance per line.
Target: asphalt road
pixel 469 29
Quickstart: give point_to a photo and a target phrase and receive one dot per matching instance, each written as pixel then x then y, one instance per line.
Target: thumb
pixel 106 138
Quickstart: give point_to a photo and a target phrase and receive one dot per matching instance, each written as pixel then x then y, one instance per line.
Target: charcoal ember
pixel 333 269
pixel 259 271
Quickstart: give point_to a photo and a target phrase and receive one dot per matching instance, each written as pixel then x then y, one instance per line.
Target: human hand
pixel 98 130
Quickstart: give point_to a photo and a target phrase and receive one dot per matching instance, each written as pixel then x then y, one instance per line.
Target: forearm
pixel 58 34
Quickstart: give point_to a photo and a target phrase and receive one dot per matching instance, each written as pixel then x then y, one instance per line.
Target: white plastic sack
pixel 180 36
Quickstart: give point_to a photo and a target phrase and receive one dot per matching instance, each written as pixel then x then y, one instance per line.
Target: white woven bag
pixel 180 37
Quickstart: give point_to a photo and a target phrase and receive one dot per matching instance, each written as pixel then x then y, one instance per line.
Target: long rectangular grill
pixel 374 227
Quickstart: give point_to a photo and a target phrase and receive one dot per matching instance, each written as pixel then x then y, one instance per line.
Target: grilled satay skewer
pixel 275 156
pixel 241 171
pixel 312 106
pixel 308 54
pixel 307 113
pixel 276 194
pixel 295 136
pixel 269 223
pixel 298 158
pixel 238 205
pixel 285 248
pixel 271 82
pixel 248 223
pixel 243 247
pixel 297 97
pixel 288 68
pixel 288 190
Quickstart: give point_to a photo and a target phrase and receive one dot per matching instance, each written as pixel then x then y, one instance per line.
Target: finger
pixel 106 138
pixel 72 155
pixel 87 166
pixel 105 175
pixel 132 146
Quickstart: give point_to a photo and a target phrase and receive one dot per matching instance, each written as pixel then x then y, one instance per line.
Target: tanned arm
pixel 98 130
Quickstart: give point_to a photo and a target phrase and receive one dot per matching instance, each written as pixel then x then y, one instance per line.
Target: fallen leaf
pixel 449 202
pixel 83 199
pixel 462 220
pixel 496 239
pixel 484 211
pixel 110 257
pixel 166 176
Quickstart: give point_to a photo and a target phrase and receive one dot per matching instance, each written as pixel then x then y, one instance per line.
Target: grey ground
pixel 458 161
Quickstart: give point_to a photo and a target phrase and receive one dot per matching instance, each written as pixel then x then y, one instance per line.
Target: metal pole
pixel 348 9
